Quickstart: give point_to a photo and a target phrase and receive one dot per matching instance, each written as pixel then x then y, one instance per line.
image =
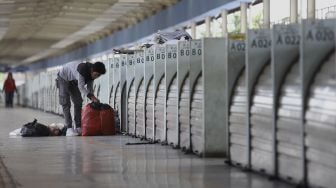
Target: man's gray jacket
pixel 71 72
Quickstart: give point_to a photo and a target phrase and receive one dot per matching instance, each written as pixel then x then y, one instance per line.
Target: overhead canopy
pixel 34 29
pixel 47 31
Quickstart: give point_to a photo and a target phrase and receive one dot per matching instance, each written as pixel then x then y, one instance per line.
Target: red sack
pixel 98 119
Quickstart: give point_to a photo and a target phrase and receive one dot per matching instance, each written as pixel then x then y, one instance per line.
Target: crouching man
pixel 71 81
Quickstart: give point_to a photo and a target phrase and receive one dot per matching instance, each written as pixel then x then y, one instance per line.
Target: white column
pixel 207 26
pixel 243 17
pixel 311 9
pixel 193 30
pixel 293 11
pixel 267 14
pixel 224 23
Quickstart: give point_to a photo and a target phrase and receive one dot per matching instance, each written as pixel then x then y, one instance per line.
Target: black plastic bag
pixel 34 129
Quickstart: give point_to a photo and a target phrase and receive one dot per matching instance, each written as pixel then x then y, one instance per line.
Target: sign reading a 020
pixel 322 34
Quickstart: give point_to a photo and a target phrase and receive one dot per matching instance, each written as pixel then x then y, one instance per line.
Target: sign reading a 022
pixel 322 34
pixel 288 39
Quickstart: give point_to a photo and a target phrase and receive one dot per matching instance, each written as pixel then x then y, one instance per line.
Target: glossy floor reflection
pixel 106 161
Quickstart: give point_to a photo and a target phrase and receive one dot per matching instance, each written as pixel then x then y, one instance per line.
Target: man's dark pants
pixel 67 90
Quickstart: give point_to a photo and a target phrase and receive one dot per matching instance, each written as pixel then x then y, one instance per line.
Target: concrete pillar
pixel 311 9
pixel 267 14
pixel 243 17
pixel 207 26
pixel 193 30
pixel 224 23
pixel 293 11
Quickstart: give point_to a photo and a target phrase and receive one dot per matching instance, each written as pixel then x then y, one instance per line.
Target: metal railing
pixel 327 12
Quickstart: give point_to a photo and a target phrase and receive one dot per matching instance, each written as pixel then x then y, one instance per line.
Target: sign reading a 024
pixel 322 34
pixel 261 42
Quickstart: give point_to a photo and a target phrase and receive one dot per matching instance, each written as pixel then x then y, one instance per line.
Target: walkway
pixel 106 162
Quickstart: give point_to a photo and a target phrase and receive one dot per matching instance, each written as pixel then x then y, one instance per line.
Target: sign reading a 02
pixel 237 46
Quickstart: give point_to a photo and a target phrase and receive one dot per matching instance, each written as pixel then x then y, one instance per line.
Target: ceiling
pixel 31 30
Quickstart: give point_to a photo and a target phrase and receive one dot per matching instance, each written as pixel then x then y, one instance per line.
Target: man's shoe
pixel 71 132
pixel 79 131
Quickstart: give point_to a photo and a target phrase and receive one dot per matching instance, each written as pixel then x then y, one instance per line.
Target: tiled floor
pixel 106 161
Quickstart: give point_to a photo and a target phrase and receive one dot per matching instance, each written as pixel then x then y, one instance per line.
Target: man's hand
pixel 94 99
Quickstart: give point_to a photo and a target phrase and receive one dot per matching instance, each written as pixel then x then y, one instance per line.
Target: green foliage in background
pixel 257 21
